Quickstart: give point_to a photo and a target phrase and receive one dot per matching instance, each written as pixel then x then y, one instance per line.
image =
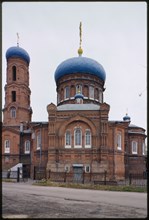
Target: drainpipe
pixel 114 152
pixel 40 146
pixel 21 136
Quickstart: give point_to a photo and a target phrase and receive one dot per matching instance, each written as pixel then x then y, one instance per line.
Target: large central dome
pixel 80 65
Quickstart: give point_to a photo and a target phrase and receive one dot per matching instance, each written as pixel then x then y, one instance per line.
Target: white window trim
pixel 136 145
pixel 100 96
pixel 87 166
pixel 77 146
pixel 68 145
pixel 67 168
pixel 27 151
pixel 88 145
pixel 119 145
pixel 91 92
pixel 65 93
pixel 38 139
pixel 13 112
pixel 7 146
pixel 143 148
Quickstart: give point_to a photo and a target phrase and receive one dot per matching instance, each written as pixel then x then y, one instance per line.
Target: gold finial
pixel 80 51
pixel 18 39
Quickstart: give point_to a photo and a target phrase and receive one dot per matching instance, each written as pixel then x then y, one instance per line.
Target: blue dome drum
pixel 80 65
pixel 17 52
pixel 79 96
pixel 126 117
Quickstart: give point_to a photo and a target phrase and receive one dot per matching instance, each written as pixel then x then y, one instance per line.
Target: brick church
pixel 78 135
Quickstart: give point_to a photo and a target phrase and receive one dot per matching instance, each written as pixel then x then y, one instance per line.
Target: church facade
pixel 78 135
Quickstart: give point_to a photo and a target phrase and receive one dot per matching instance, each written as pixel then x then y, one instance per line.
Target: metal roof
pixel 79 107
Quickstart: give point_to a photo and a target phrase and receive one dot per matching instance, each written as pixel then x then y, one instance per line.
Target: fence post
pixel 8 174
pixel 65 176
pixel 83 176
pixel 105 176
pixel 130 178
pixel 34 172
pixel 49 173
pixel 90 176
pixel 18 174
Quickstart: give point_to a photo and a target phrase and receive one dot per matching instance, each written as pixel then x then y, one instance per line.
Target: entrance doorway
pixel 78 174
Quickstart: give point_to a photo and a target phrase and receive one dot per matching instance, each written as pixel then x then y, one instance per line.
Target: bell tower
pixel 17 92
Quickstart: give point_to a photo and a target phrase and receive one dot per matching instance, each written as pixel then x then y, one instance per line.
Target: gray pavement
pixel 27 201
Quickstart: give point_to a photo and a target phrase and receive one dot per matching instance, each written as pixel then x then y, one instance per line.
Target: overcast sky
pixel 113 33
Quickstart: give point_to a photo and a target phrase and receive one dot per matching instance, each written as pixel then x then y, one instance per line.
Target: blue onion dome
pixel 126 118
pixel 80 65
pixel 17 52
pixel 79 96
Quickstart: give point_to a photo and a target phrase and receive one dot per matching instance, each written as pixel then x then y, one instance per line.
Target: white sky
pixel 113 33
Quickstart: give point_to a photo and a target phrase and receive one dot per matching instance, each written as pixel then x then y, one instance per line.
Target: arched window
pixel 58 97
pixel 77 138
pixel 91 92
pixel 67 139
pixel 143 148
pixel 119 141
pixel 85 91
pixel 62 95
pixel 27 147
pixel 100 96
pixel 67 92
pixel 134 147
pixel 72 91
pixel 97 94
pixel 13 112
pixel 14 73
pixel 87 138
pixel 7 146
pixel 38 141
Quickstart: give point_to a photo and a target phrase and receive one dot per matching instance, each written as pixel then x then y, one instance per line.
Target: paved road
pixel 27 201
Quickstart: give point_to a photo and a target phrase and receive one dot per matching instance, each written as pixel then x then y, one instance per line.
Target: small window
pixel 67 139
pixel 78 138
pixel 13 112
pixel 87 169
pixel 14 73
pixel 91 92
pixel 100 96
pixel 38 141
pixel 97 94
pixel 13 96
pixel 87 138
pixel 67 92
pixel 134 147
pixel 27 147
pixel 67 168
pixel 58 97
pixel 143 148
pixel 119 141
pixel 7 146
